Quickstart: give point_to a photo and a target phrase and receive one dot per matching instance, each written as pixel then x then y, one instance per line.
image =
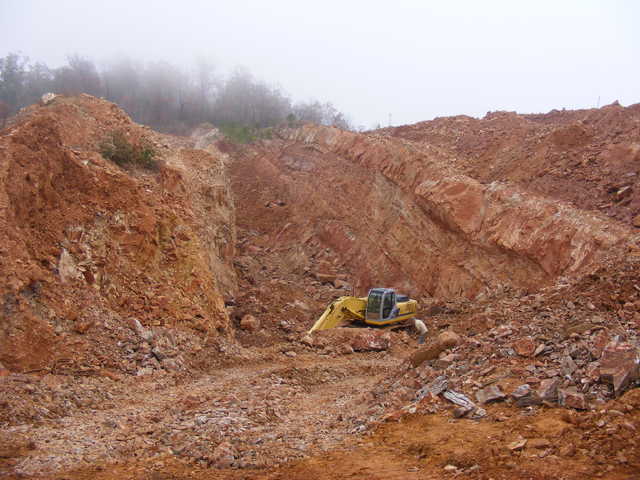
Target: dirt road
pixel 274 411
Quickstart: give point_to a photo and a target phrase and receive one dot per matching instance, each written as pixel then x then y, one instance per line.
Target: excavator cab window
pixel 381 304
pixel 374 304
pixel 388 303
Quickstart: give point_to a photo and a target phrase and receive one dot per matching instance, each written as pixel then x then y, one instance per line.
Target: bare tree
pixel 38 80
pixel 12 77
pixel 79 76
pixel 205 87
pixel 320 114
pixel 123 84
pixel 5 110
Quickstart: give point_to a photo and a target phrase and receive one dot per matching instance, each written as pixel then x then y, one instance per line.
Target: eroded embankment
pixel 104 268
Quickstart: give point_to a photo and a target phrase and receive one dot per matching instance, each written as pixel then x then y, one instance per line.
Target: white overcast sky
pixel 415 60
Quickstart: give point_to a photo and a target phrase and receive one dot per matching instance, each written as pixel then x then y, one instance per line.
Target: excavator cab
pixel 381 306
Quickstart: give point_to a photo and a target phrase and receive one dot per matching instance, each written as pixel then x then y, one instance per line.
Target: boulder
pixel 548 391
pixel 445 360
pixel 568 366
pixel 570 397
pixel 430 352
pixel 301 305
pixel 448 339
pixel 325 277
pixel 444 341
pixel 460 412
pixel 525 347
pixel 343 284
pixel 489 394
pixel 307 340
pixel 524 396
pixel 435 387
pixel 619 365
pixel 67 268
pixel 517 445
pixel 163 347
pixel 249 323
pixel 371 340
pixel 144 333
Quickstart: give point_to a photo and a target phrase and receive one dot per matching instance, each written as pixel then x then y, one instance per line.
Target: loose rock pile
pixel 555 348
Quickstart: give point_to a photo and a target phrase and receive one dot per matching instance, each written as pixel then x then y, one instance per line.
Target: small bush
pixel 245 133
pixel 237 133
pixel 117 148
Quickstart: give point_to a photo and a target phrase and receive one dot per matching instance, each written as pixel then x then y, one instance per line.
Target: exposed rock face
pixel 407 219
pixel 84 243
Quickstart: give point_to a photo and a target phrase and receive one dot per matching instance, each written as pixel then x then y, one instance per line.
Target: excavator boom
pixel 340 310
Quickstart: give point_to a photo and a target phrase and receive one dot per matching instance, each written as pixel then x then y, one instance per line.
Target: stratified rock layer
pixel 395 214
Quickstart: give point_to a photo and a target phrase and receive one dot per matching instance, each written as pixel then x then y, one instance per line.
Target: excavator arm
pixel 341 310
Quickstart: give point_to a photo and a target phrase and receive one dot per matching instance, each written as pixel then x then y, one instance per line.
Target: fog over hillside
pixel 377 62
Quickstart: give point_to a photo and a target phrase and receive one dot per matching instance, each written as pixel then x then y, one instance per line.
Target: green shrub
pixel 237 133
pixel 117 148
pixel 245 133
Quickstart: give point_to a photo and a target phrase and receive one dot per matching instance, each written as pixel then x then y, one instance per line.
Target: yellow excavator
pixel 381 307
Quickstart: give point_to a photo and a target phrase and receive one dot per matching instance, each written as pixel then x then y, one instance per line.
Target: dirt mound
pixel 104 268
pixel 586 157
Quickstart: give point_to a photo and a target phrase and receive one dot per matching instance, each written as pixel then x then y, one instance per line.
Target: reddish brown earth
pixel 153 323
pixel 584 157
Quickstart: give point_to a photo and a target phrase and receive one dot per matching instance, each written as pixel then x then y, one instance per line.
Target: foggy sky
pixel 414 60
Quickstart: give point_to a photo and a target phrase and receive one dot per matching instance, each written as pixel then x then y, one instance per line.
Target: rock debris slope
pixel 154 322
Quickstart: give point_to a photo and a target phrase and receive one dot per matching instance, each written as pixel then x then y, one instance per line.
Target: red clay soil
pixel 154 323
pixel 586 157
